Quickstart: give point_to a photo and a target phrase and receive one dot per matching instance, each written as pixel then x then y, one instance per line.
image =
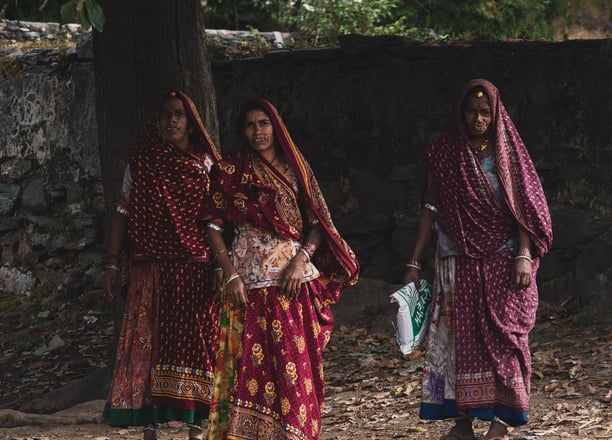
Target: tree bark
pixel 146 49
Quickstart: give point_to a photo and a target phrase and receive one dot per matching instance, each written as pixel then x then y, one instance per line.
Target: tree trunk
pixel 146 49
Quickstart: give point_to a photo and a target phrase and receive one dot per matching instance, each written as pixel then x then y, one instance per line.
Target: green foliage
pixel 490 19
pixel 247 14
pixel 88 12
pixel 30 10
pixel 326 19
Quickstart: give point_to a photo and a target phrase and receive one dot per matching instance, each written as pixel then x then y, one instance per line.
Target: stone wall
pixel 363 115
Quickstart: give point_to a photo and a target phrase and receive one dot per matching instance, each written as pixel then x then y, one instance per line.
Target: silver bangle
pixel 113 267
pixel 149 427
pixel 305 252
pixel 431 207
pixel 231 278
pixel 216 269
pixel 217 228
pixel 122 211
pixel 415 264
pixel 524 257
pixel 500 421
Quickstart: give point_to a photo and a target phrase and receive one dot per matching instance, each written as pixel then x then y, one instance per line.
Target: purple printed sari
pixel 484 371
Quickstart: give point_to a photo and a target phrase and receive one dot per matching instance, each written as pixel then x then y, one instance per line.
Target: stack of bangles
pixel 230 278
pixel 308 250
pixel 414 264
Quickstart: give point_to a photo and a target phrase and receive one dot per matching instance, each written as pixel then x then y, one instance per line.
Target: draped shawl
pixel 469 213
pixel 168 191
pixel 243 197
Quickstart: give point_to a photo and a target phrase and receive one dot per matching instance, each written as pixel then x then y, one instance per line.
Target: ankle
pixel 497 429
pixel 149 432
pixel 195 431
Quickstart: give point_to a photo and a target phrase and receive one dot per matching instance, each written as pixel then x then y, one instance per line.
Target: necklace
pixel 273 160
pixel 483 146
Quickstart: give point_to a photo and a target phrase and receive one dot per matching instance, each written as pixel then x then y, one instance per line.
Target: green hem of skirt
pixel 150 414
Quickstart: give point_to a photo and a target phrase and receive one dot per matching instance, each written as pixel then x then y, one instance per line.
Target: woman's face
pixel 258 131
pixel 174 123
pixel 477 115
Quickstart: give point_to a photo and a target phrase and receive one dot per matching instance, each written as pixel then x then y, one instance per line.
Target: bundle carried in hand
pixel 412 316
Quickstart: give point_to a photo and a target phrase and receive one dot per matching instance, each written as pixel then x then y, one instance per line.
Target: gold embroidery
pixel 299 343
pixel 277 330
pixel 285 406
pixel 291 373
pixel 270 393
pixel 252 386
pixel 257 356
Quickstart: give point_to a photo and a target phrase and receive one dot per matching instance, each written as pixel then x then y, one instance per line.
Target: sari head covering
pixel 465 203
pixel 169 188
pixel 334 258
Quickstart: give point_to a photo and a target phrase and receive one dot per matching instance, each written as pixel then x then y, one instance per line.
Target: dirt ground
pixel 372 389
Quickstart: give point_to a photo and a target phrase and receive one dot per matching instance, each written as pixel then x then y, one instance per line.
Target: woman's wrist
pixel 302 255
pixel 230 278
pixel 523 257
pixel 415 264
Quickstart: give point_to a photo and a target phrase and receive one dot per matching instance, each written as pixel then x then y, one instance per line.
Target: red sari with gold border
pixel 164 365
pixel 270 382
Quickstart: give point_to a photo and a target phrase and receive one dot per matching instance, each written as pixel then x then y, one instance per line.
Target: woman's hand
pixel 413 275
pixel 216 280
pixel 522 272
pixel 109 279
pixel 236 291
pixel 291 281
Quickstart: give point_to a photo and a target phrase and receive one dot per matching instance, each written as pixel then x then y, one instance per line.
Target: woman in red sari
pixel 164 365
pixel 288 264
pixel 486 203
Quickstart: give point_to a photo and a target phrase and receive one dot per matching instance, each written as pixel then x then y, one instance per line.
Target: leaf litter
pixel 372 390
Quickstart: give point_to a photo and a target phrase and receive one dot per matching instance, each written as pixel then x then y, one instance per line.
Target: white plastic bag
pixel 412 316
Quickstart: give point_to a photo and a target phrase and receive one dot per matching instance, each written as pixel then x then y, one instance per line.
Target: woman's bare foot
pixel 149 434
pixel 461 431
pixel 195 432
pixel 497 431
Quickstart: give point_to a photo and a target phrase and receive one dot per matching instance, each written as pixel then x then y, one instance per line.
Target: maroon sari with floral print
pixel 489 319
pixel 164 365
pixel 277 371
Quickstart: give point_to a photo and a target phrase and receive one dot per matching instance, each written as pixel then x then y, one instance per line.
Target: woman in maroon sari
pixel 166 349
pixel 486 203
pixel 288 264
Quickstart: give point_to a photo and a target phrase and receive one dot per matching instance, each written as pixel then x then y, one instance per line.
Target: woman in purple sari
pixel 288 264
pixel 486 204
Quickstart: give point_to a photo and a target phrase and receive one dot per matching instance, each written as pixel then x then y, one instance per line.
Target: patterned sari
pixel 269 380
pixel 478 361
pixel 164 365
